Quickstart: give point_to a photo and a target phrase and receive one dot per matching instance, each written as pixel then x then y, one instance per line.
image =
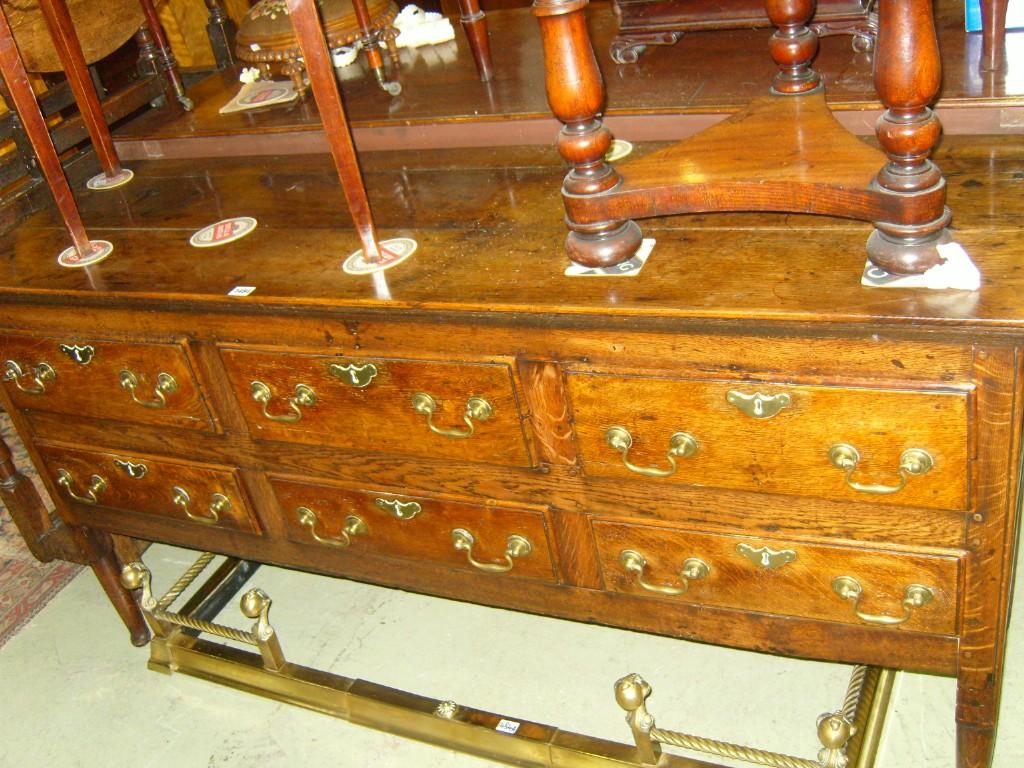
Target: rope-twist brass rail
pixel 228 633
pixel 725 749
pixel 185 580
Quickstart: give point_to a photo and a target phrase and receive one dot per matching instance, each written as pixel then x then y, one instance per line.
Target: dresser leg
pixel 974 745
pixel 793 46
pixel 108 570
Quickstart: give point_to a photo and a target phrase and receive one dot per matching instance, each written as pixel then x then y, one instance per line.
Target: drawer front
pixel 499 541
pixel 912 591
pixel 462 411
pixel 897 447
pixel 144 383
pixel 199 494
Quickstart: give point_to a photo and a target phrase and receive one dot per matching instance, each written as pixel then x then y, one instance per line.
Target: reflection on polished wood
pixel 301 210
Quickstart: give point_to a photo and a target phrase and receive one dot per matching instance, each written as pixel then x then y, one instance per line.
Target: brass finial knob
pixel 631 692
pixel 834 731
pixel 253 602
pixel 133 576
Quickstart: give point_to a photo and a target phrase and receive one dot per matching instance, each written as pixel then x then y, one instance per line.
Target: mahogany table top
pixel 489 228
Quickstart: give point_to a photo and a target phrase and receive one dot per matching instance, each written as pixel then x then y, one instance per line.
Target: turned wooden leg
pixel 576 95
pixel 793 46
pixel 993 34
pixel 107 568
pixel 474 24
pixel 907 77
pixel 168 64
pixel 69 49
pixel 221 30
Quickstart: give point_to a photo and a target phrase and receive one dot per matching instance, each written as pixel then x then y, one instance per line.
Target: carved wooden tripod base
pixel 785 152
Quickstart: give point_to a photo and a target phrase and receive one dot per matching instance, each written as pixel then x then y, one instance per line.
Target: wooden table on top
pixel 670 93
pixel 739 301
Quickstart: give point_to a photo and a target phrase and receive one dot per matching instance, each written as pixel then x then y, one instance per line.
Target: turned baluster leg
pixel 474 24
pixel 69 49
pixel 576 95
pixel 793 46
pixel 221 31
pixel 165 55
pixel 907 77
pixel 24 102
pixel 993 34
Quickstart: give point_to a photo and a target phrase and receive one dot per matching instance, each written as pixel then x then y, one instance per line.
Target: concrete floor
pixel 76 693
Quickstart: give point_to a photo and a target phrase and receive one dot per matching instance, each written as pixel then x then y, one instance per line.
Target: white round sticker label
pixel 392 252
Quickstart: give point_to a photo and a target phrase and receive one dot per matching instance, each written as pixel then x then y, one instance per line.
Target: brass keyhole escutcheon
pixel 358 376
pixel 758 405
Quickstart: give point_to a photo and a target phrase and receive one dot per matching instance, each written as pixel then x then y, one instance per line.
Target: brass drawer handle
pixel 694 569
pixel 219 503
pixel 41 375
pixel 358 376
pixel 304 397
pixel 165 385
pixel 913 462
pixel 681 444
pixel 515 546
pixel 914 596
pixel 477 409
pixel 759 406
pixel 96 486
pixel 354 526
pixel 403 510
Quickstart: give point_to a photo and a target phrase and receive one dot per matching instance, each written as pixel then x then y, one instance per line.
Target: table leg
pixel 907 77
pixel 24 102
pixel 69 50
pixel 474 23
pixel 576 95
pixel 168 64
pixel 993 34
pixel 310 37
pixel 793 46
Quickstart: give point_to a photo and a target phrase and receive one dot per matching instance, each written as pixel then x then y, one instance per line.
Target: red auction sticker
pixel 223 232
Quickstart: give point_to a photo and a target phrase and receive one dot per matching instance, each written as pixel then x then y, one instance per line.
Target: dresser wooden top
pixel 489 228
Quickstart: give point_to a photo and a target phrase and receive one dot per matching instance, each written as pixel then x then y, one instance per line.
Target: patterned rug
pixel 26 585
